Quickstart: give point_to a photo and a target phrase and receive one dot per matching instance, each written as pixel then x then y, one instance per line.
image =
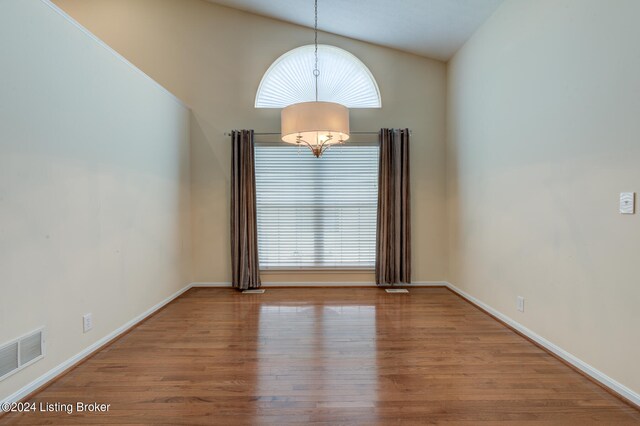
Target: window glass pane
pixel 316 212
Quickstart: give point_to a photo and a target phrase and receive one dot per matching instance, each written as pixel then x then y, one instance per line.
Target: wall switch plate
pixel 520 303
pixel 627 202
pixel 87 322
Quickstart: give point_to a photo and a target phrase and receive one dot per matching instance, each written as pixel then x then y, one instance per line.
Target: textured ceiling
pixel 433 28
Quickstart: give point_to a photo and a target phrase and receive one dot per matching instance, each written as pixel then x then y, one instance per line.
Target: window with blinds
pixel 316 213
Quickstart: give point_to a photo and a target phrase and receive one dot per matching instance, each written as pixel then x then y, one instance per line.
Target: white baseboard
pixel 427 284
pixel 294 284
pixel 71 362
pixel 210 285
pixel 590 371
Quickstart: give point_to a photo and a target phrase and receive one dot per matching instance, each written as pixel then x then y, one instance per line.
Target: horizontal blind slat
pixel 316 212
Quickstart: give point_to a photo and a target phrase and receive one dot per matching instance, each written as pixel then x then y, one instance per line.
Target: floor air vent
pixel 396 290
pixel 253 291
pixel 20 353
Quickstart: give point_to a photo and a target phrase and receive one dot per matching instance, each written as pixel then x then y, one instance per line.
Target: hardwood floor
pixel 333 356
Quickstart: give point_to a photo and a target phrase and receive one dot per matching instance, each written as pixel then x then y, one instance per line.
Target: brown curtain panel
pixel 393 236
pixel 245 269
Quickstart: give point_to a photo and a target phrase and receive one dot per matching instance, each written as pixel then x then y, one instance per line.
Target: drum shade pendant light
pixel 318 125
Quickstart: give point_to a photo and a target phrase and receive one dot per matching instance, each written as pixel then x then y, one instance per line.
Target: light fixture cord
pixel 316 71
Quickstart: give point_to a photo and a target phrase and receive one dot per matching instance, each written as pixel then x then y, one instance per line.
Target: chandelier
pixel 317 125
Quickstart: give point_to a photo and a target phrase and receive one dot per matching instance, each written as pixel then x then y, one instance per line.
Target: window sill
pixel 286 271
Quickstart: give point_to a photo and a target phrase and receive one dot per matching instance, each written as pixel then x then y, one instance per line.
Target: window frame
pixel 357 140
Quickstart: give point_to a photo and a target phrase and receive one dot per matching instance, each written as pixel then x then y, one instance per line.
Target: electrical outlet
pixel 87 322
pixel 520 303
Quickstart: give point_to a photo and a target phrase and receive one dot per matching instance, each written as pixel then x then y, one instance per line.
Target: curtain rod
pixel 278 133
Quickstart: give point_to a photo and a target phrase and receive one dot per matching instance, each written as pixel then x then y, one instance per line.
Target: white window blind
pixel 344 79
pixel 316 213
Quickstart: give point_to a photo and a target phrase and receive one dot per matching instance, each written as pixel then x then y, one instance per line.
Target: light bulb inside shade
pixel 315 123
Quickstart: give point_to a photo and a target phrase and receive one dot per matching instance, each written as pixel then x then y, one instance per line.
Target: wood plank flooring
pixel 327 356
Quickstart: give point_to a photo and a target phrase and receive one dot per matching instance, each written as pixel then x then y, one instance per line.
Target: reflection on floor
pixel 344 355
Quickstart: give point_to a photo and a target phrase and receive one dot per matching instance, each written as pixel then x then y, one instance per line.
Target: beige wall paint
pixel 94 187
pixel 213 58
pixel 544 133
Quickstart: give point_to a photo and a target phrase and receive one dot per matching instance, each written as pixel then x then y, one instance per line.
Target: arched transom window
pixel 343 79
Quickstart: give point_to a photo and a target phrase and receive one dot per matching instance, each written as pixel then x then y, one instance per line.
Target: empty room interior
pixel 359 212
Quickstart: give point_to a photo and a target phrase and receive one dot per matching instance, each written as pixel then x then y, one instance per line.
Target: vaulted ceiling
pixel 433 28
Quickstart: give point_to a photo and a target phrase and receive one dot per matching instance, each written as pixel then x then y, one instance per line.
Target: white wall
pixel 94 186
pixel 544 133
pixel 213 58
